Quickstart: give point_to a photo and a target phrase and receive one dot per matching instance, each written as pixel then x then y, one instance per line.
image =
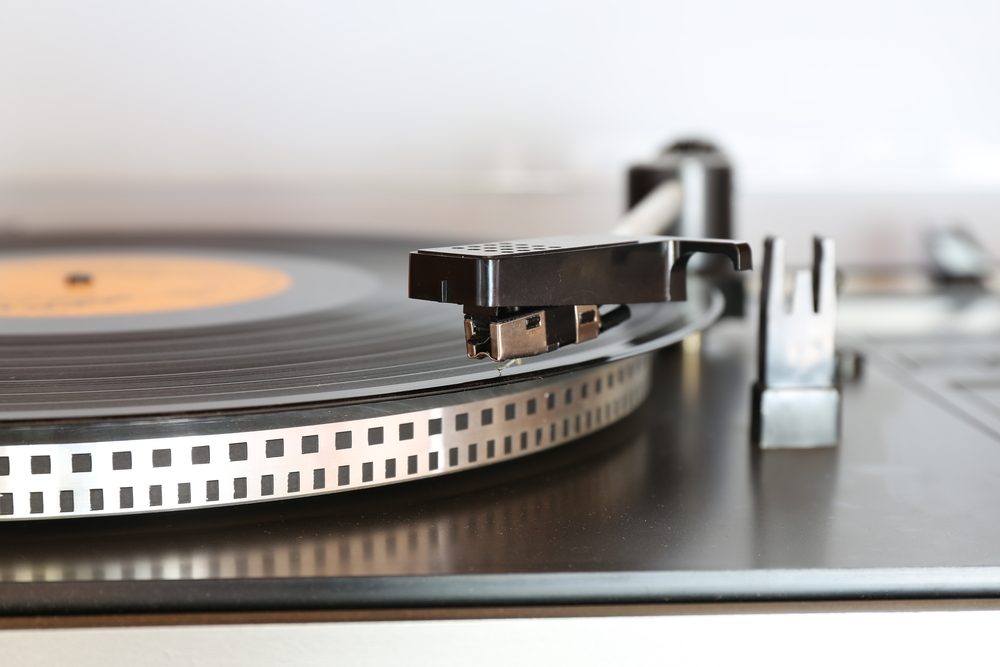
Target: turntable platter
pixel 171 373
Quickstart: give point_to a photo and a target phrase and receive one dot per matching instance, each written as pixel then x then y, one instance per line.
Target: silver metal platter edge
pixel 196 470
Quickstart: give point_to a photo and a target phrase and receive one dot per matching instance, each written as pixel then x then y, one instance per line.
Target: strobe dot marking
pixel 207 469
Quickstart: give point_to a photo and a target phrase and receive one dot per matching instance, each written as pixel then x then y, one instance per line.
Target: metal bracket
pixel 491 335
pixel 797 401
pixel 957 258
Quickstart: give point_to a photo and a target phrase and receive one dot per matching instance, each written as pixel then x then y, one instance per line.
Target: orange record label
pixel 96 285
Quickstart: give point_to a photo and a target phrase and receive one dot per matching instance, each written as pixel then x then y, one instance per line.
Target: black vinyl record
pixel 170 324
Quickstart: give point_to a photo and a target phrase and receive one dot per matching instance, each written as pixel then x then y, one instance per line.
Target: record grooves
pixel 289 394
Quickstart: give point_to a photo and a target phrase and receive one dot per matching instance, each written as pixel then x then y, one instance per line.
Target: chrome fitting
pixel 797 401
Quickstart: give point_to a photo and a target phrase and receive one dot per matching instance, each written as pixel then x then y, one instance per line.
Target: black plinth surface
pixel 671 505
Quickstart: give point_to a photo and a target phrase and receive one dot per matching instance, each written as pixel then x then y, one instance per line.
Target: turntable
pixel 273 423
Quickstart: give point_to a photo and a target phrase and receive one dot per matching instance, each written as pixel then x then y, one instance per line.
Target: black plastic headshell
pixel 531 296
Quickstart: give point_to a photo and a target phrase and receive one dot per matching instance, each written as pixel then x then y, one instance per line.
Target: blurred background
pixel 866 120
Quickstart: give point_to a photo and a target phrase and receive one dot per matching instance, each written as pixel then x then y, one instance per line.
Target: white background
pixel 822 639
pixel 868 120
